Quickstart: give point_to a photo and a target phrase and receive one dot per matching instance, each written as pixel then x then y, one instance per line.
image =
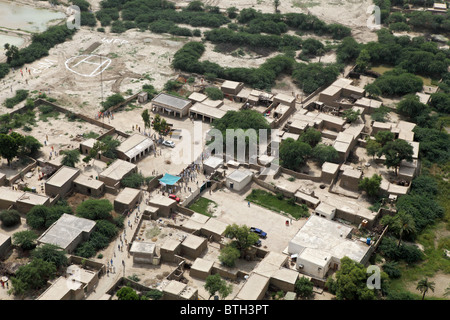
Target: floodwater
pixel 12 40
pixel 15 16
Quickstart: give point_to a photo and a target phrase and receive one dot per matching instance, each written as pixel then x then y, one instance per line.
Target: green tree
pixel 8 147
pixel 26 240
pixel 95 209
pixel 304 287
pixel 348 50
pixel 323 153
pixel 51 253
pixel 214 283
pixel 351 115
pixel 311 136
pixel 9 218
pixel 146 118
pixel 383 137
pixel 424 285
pixel 127 293
pixel 70 157
pixel 396 151
pixel 411 107
pixel 400 224
pixel 276 4
pixel 12 52
pixel 109 149
pixel 214 93
pixel 294 153
pixel 112 101
pixel 30 146
pixel 373 148
pixel 363 61
pixel 371 185
pixel 32 276
pixel 228 255
pixel 351 281
pixel 242 235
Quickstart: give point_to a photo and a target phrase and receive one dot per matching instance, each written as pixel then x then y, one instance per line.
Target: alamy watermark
pixel 374 280
pixel 74 19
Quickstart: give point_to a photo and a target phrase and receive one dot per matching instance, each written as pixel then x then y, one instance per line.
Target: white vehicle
pixel 169 143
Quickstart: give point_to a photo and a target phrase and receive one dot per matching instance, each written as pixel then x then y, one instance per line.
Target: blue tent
pixel 169 180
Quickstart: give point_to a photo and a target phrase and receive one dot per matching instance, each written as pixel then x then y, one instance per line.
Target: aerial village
pixel 134 196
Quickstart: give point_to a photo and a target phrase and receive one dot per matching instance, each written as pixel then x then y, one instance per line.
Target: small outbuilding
pixel 116 171
pixel 5 245
pixel 61 182
pixel 143 252
pixel 193 246
pixel 89 186
pixel 239 179
pixel 231 87
pixel 211 164
pixel 201 268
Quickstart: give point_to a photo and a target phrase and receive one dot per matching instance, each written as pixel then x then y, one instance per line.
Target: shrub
pixel 214 93
pixel 20 96
pixel 392 270
pixel 95 209
pixel 153 294
pixel 9 218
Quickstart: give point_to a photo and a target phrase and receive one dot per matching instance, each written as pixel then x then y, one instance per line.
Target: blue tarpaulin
pixel 169 180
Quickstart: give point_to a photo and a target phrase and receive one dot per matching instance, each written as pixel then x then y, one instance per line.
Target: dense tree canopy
pixel 294 153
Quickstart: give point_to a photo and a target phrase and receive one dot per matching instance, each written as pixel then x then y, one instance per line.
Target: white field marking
pixel 94 73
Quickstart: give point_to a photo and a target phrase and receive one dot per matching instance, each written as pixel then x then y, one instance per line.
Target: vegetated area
pixel 204 206
pixel 405 62
pixel 278 203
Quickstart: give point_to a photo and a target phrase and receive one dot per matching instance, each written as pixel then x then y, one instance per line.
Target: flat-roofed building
pixel 211 164
pixel 213 229
pixel 87 145
pixel 135 147
pixel 116 171
pixel 169 249
pixel 329 171
pixel 143 252
pixel 343 149
pixel 321 244
pixel 127 199
pixel 370 105
pixel 243 95
pixel 254 288
pixel 350 178
pixel 74 286
pixel 2 179
pixel 239 179
pixel 193 246
pixel 9 197
pixel 201 268
pixel 176 290
pixel 60 183
pixel 172 105
pixel 165 205
pixel 67 232
pixel 306 199
pixel 197 97
pixel 231 87
pixel 207 113
pixel 88 186
pixel 281 98
pixel 378 126
pixel 28 200
pixel 213 103
pixel 5 245
pixel 325 210
pixel 298 126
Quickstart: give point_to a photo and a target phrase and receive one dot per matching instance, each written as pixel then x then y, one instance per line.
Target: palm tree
pixel 405 225
pixel 402 223
pixel 424 285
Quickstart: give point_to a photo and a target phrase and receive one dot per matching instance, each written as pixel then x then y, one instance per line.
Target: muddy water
pixel 15 16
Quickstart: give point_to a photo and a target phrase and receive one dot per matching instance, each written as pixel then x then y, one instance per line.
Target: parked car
pixel 258 243
pixel 174 197
pixel 169 143
pixel 261 233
